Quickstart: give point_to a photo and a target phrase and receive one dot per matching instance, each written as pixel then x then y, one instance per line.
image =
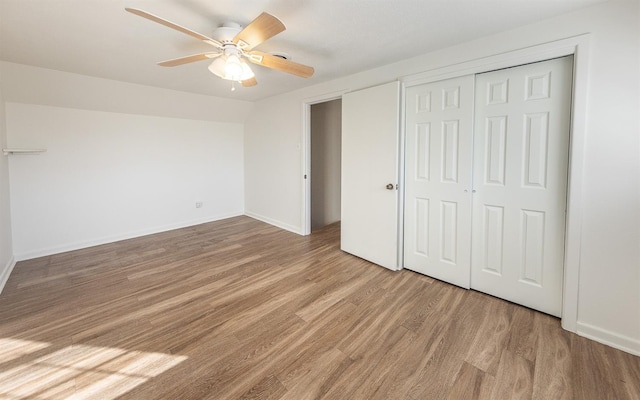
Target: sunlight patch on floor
pixel 14 348
pixel 77 371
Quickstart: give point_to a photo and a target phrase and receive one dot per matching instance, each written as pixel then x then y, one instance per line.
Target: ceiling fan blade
pixel 270 61
pixel 171 25
pixel 260 29
pixel 249 82
pixel 188 59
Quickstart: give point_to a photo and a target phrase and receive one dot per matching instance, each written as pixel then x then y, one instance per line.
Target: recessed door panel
pixel 536 133
pixel 422 140
pixel 495 150
pixel 532 247
pixel 493 241
pixel 448 231
pixel 421 233
pixel 449 155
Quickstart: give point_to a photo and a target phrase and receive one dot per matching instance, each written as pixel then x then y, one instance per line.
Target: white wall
pixel 326 144
pixel 609 292
pixel 6 248
pixel 122 160
pixel 273 172
pixel 33 85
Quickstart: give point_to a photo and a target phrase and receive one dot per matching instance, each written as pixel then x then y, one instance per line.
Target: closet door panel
pixel 521 148
pixel 438 153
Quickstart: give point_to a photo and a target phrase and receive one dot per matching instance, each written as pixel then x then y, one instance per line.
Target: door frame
pixel 306 153
pixel 578 46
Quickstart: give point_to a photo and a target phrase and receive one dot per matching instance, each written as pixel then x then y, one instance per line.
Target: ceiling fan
pixel 233 46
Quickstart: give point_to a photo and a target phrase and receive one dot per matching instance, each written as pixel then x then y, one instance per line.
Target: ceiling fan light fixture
pixel 231 67
pixel 217 66
pixel 247 72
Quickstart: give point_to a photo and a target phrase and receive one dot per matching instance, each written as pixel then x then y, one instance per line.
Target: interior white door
pixel 522 118
pixel 370 144
pixel 438 165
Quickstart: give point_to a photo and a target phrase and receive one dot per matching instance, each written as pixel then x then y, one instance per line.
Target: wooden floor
pixel 238 309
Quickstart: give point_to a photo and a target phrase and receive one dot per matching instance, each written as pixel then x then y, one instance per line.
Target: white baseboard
pixel 116 238
pixel 274 222
pixel 6 271
pixel 620 342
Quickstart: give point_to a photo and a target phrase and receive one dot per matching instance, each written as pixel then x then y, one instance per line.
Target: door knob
pixel 389 186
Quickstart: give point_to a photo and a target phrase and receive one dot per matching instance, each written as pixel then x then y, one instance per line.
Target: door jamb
pixel 306 154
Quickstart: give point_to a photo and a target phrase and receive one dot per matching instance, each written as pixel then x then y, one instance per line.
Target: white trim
pixel 620 342
pixel 578 46
pixel 541 52
pixel 274 222
pixel 116 238
pixel 306 156
pixel 401 175
pixel 573 238
pixel 6 272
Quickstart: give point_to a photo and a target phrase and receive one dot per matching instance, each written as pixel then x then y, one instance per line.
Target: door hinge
pixel 305 176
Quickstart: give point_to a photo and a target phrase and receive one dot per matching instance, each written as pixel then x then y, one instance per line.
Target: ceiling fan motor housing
pixel 226 32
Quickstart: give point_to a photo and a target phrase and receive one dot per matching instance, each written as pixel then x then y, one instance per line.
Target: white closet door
pixel 521 148
pixel 370 143
pixel 438 158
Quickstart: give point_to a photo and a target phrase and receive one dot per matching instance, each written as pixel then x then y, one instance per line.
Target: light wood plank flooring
pixel 238 309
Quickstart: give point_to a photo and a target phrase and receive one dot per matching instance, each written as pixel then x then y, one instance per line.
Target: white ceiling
pixel 336 37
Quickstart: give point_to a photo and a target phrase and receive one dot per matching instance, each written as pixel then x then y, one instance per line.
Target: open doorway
pixel 325 154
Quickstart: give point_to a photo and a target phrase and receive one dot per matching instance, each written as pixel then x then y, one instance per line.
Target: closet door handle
pixel 389 186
